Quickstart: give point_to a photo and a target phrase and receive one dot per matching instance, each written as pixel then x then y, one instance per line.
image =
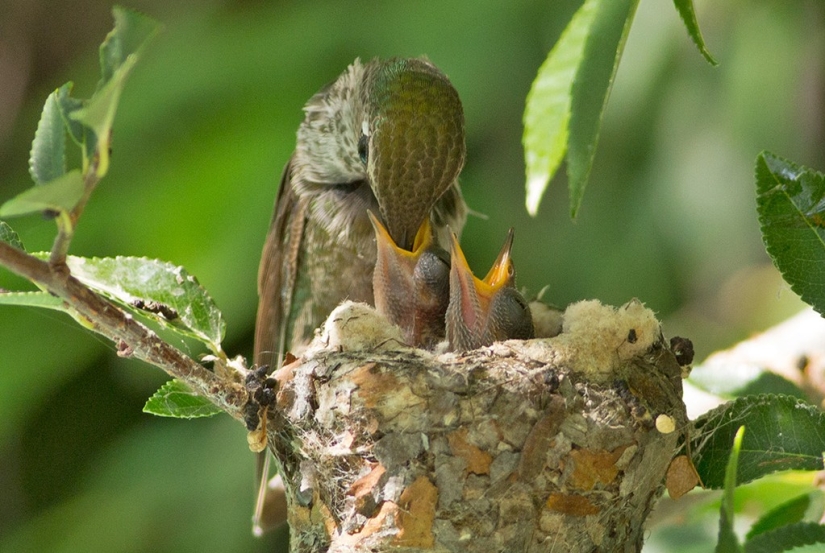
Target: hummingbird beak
pixel 502 271
pixel 471 294
pixel 392 251
pixel 482 311
pixel 394 281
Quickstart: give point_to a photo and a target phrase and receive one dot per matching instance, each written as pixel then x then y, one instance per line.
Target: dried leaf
pixel 594 466
pixel 576 505
pixel 540 439
pixel 373 383
pixel 478 461
pixel 417 513
pixel 681 477
pixel 366 483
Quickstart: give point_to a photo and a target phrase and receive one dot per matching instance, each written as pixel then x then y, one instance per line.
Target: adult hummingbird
pixel 386 137
pixel 483 311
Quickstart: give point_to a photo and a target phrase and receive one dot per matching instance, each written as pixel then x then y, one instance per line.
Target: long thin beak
pixel 502 271
pixel 470 314
pixel 499 275
pixel 466 291
pixel 396 291
pixel 388 247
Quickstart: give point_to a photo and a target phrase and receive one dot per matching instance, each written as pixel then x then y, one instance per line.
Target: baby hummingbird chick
pixel 483 311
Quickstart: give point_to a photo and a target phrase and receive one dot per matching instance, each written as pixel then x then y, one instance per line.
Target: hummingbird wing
pixel 277 273
pixel 276 284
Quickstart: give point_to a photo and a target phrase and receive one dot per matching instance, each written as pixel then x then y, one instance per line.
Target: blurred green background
pixel 207 121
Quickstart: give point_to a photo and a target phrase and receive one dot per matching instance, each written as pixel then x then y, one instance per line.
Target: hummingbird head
pixel 412 141
pixel 387 136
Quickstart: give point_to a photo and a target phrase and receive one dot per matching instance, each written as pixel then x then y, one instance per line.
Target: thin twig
pixel 130 335
pixel 67 222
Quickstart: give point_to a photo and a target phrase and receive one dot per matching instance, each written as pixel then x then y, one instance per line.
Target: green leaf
pixel 769 382
pixel 175 399
pixel 61 194
pixel 47 160
pixel 813 548
pixel 791 206
pixel 784 433
pixel 787 538
pixel 118 55
pixel 688 15
pixel 157 289
pixel 736 379
pixel 728 542
pixel 33 299
pixel 44 300
pixel 591 89
pixel 8 235
pixel 68 105
pixel 547 112
pixel 132 31
pixel 790 512
pixel 99 113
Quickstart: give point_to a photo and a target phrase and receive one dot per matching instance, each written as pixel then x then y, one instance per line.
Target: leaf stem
pixel 65 233
pixel 67 221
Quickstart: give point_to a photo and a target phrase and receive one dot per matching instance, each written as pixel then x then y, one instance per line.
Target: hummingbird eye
pixel 363 148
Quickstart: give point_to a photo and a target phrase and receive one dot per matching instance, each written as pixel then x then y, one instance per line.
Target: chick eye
pixel 363 148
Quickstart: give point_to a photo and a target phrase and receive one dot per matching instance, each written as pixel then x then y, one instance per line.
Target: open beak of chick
pixel 483 311
pixel 411 288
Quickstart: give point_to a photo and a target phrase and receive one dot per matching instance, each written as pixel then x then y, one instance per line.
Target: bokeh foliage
pixel 204 127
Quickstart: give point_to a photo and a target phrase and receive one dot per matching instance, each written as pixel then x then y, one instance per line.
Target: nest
pixel 557 444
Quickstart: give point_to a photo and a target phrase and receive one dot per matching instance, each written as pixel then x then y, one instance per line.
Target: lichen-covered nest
pixel 557 444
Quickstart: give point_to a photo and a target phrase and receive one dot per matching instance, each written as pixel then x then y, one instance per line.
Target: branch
pixel 132 338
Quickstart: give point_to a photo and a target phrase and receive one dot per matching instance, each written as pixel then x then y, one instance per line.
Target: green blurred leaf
pixel 787 538
pixel 68 105
pixel 99 114
pixel 736 379
pixel 591 89
pixel 44 300
pixel 132 31
pixel 33 299
pixel 547 112
pixel 175 399
pixel 791 206
pixel 158 289
pixel 728 542
pixel 47 160
pixel 812 548
pixel 118 55
pixel 784 433
pixel 789 512
pixel 769 382
pixel 8 235
pixel 688 15
pixel 61 194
